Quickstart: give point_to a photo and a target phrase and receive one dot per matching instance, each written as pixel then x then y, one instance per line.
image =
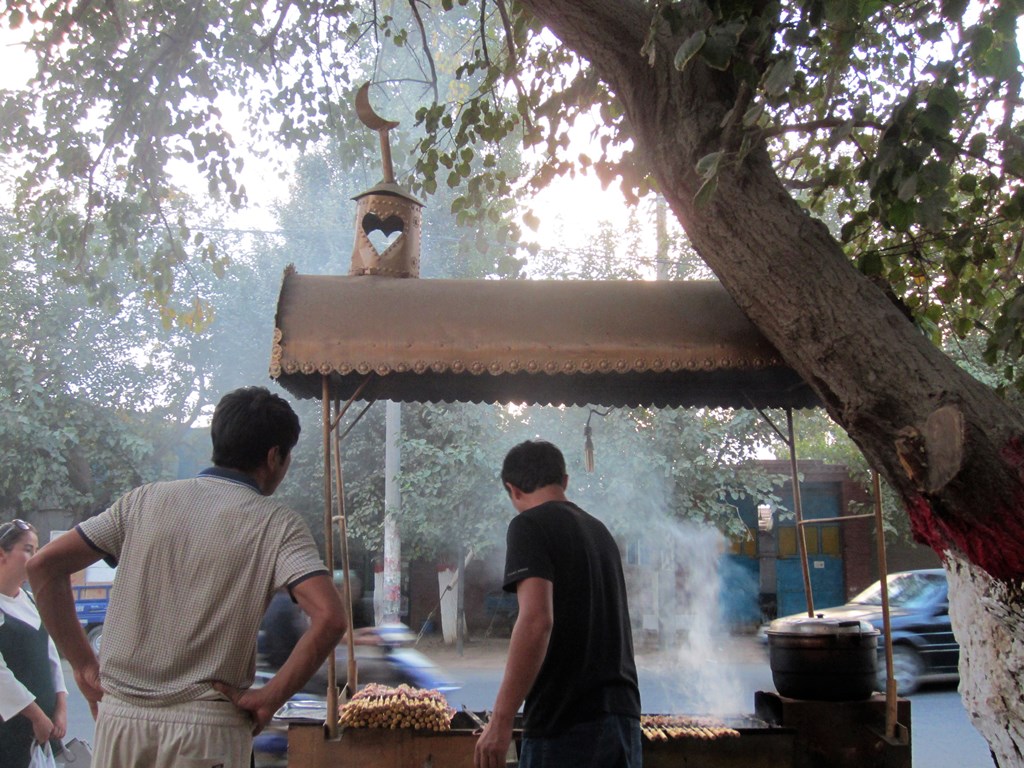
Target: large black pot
pixel 823 659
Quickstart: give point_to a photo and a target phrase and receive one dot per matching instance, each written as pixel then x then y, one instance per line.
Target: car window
pixel 906 590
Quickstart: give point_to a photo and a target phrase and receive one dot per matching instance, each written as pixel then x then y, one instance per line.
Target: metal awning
pixel 607 343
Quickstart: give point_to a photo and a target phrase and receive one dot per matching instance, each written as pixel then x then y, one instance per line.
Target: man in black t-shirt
pixel 571 654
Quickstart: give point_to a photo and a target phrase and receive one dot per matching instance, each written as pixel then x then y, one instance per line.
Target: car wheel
pixel 907 669
pixel 95 635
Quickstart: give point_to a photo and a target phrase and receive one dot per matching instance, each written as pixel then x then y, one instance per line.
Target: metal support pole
pixel 797 507
pixel 460 600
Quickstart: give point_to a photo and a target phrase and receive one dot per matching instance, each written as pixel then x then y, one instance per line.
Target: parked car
pixel 91 603
pixel 923 645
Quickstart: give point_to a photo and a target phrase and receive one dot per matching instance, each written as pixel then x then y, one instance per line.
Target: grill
pixel 783 733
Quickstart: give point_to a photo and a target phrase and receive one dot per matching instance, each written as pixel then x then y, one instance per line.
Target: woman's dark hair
pixel 13 532
pixel 247 423
pixel 532 465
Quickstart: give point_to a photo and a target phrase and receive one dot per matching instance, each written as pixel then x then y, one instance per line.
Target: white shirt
pixel 14 696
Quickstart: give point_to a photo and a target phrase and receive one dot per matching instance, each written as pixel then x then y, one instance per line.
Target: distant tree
pixel 92 399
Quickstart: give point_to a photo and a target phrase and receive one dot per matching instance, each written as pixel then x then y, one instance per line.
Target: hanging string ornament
pixel 588 441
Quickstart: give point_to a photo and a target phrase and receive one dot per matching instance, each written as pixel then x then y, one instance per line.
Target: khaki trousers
pixel 196 734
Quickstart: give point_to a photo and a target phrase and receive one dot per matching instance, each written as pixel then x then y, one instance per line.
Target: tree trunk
pixel 988 623
pixel 949 445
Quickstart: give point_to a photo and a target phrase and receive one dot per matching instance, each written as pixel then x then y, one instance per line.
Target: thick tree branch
pixel 483 32
pixel 811 126
pixel 426 47
pixel 510 37
pixel 271 36
pixel 732 127
pixel 512 70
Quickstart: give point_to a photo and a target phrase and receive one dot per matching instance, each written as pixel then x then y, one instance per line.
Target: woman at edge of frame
pixel 33 695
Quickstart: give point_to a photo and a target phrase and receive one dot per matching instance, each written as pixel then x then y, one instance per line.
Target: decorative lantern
pixel 388 221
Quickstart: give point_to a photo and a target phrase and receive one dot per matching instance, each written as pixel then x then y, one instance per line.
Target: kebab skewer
pixel 670 727
pixel 380 706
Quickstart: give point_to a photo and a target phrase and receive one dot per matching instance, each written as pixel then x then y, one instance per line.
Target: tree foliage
pixel 903 116
pixel 80 417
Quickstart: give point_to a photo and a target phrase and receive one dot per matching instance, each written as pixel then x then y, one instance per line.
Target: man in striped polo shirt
pixel 197 563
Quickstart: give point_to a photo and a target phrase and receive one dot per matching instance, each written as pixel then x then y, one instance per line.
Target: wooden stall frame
pixel 335 496
pixel 891 724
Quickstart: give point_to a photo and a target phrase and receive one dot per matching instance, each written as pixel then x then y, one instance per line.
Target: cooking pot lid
pixel 819 625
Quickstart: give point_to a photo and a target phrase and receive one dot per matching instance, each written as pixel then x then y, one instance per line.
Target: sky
pixel 15 64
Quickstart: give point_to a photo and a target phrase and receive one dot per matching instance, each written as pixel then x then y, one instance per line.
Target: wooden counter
pixel 308 747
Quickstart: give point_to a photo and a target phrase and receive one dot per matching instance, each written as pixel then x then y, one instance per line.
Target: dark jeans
pixel 611 742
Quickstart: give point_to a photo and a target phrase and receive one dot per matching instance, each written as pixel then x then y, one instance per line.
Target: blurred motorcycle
pixel 383 654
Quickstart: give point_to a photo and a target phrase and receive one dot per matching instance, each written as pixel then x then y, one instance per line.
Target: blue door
pixel 739 577
pixel 824 552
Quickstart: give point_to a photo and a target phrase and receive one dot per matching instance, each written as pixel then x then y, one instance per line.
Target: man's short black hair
pixel 247 423
pixel 533 464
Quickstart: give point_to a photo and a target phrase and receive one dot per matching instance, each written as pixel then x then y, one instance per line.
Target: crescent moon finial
pixel 372 120
pixel 366 114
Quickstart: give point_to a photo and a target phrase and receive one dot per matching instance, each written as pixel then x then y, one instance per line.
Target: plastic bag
pixel 42 756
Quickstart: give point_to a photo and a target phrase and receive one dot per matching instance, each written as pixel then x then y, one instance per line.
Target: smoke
pixel 680 599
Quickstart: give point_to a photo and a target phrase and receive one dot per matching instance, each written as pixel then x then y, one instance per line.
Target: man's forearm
pixel 56 604
pixel 526 652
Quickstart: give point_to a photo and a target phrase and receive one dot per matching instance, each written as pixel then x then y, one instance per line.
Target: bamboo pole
pixel 352 682
pixel 332 680
pixel 883 575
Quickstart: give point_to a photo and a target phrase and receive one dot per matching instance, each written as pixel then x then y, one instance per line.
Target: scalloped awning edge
pixel 684 343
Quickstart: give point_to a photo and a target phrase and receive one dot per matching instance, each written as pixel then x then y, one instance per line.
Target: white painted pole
pixel 391 604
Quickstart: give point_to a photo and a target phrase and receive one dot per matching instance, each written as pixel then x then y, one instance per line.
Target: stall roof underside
pixel 605 343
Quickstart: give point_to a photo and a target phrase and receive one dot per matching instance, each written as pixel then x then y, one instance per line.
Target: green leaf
pixel 967 183
pixel 721 44
pixel 948 292
pixel 753 115
pixel 780 75
pixel 842 12
pixel 690 48
pixel 907 188
pixel 962 326
pixel 707 166
pixel 953 10
pixel 870 263
pixel 706 192
pixel 900 215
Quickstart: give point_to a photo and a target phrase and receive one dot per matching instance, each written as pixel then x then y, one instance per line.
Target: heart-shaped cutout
pixel 388 226
pixel 382 242
pixel 382 233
